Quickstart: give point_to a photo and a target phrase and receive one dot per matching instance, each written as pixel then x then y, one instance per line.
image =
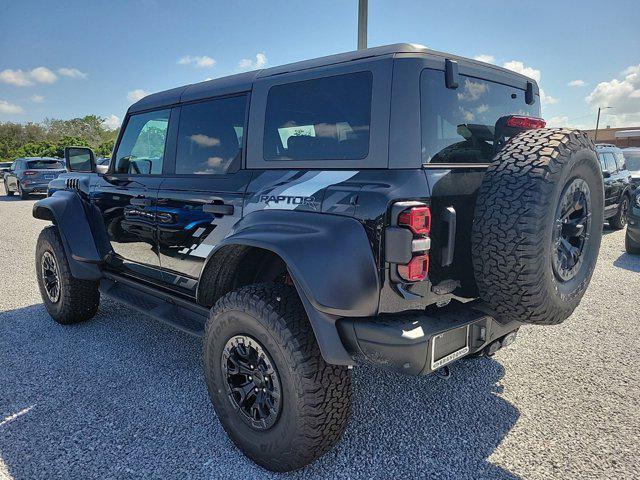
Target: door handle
pixel 220 209
pixel 141 201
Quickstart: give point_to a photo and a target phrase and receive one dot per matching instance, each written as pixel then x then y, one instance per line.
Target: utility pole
pixel 595 135
pixel 362 23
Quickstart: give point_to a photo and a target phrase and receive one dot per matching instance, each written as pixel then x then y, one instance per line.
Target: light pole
pixel 362 23
pixel 595 135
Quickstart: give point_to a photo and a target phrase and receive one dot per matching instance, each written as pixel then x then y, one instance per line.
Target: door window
pixel 610 162
pixel 210 136
pixel 141 150
pixel 321 119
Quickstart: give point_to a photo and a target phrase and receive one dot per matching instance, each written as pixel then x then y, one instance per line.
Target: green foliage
pixel 48 139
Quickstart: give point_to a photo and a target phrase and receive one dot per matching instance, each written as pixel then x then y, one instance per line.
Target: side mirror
pixel 80 159
pixel 606 174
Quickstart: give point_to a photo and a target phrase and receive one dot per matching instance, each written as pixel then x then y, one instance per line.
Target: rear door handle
pixel 141 201
pixel 220 209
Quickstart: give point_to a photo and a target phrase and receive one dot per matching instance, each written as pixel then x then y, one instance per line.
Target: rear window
pixel 458 125
pixel 632 160
pixel 321 119
pixel 45 165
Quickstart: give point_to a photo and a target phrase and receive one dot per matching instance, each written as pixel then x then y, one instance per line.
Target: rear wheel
pixel 630 246
pixel 7 191
pixel 538 226
pixel 278 400
pixel 67 299
pixel 23 195
pixel 619 221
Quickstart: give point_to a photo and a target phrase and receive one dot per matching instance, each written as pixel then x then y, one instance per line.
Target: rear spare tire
pixel 538 225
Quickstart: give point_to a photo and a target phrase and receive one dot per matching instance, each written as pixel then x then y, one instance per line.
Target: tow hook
pixel 443 372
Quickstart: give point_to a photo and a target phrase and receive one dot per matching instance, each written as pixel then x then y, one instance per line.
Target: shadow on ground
pixel 122 396
pixel 628 262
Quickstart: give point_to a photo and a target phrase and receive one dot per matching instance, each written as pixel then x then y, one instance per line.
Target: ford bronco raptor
pixel 394 206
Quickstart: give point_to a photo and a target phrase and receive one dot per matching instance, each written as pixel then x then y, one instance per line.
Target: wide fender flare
pixel 330 260
pixel 66 211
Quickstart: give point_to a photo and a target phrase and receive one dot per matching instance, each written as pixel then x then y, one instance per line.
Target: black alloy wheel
pixel 573 217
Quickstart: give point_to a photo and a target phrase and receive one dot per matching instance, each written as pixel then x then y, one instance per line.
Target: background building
pixel 621 137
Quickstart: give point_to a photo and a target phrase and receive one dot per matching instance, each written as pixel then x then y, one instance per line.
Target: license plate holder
pixel 449 346
pixel 49 177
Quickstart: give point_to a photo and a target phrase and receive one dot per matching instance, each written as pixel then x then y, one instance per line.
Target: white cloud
pixel 208 78
pixel 112 122
pixel 24 78
pixel 135 95
pixel 485 58
pixel 622 95
pixel 72 73
pixel 558 121
pixel 43 75
pixel 9 108
pixel 250 64
pixel 36 98
pixel 547 99
pixel 576 83
pixel 16 77
pixel 519 67
pixel 197 61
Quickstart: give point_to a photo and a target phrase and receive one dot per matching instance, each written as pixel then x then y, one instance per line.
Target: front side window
pixel 321 119
pixel 458 125
pixel 632 159
pixel 141 150
pixel 620 161
pixel 210 136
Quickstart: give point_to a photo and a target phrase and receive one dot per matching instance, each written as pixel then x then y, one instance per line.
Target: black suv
pixel 395 206
pixel 618 187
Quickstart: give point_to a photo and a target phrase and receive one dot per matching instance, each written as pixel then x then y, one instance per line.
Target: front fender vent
pixel 72 183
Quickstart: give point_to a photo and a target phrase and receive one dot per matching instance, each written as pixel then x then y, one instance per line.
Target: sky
pixel 71 58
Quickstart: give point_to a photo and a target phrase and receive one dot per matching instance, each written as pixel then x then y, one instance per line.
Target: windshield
pixel 632 159
pixel 45 165
pixel 458 124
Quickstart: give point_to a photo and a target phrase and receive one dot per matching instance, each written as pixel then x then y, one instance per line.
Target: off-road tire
pixel 619 220
pixel 78 299
pixel 316 396
pixel 23 195
pixel 515 219
pixel 630 246
pixel 7 191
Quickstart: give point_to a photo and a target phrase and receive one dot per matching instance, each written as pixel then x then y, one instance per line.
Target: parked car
pixel 632 159
pixel 617 185
pixel 338 221
pixel 4 167
pixel 102 165
pixel 31 175
pixel 632 237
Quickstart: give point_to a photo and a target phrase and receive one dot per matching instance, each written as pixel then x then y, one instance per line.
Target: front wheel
pixel 619 221
pixel 67 299
pixel 630 245
pixel 275 396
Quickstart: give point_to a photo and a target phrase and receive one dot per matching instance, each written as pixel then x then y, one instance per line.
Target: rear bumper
pixel 404 342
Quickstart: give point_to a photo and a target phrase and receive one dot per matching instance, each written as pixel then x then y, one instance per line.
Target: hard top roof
pixel 243 82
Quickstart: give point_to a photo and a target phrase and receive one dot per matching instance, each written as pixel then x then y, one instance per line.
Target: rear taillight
pixel 518 121
pixel 416 270
pixel 30 172
pixel 408 241
pixel 418 219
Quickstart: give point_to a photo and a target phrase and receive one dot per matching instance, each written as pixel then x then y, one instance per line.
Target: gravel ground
pixel 124 397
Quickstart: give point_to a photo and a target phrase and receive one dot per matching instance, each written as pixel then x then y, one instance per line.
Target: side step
pixel 172 310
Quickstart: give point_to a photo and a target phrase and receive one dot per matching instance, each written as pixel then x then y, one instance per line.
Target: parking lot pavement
pixel 122 396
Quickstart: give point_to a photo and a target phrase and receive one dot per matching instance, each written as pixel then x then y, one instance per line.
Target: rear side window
pixel 210 136
pixel 321 119
pixel 458 125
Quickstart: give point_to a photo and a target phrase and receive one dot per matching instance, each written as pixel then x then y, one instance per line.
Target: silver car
pixel 32 175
